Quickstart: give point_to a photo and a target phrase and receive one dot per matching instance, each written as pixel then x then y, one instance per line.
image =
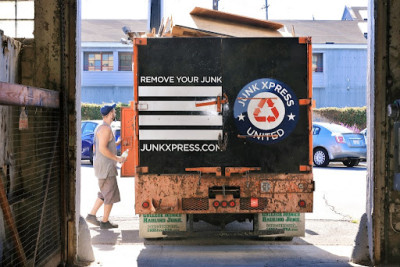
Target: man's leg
pixel 107 211
pixel 111 195
pixel 91 217
pixel 96 206
pixel 105 223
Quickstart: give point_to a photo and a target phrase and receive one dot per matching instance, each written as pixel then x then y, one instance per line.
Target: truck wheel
pixel 351 162
pixel 150 239
pixel 266 238
pixel 321 158
pixel 284 238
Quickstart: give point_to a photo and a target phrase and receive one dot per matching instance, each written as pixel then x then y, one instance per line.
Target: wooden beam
pixel 22 95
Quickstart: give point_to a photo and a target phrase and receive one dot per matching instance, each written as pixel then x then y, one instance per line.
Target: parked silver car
pixel 333 142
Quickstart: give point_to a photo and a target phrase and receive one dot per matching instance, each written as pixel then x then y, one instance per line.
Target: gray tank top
pixel 103 166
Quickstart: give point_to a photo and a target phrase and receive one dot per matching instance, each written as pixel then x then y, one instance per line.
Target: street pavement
pixel 339 202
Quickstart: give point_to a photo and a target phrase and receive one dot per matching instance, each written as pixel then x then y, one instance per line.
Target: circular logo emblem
pixel 266 111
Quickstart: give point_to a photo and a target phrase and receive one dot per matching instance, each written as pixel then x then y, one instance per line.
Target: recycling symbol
pixel 266 111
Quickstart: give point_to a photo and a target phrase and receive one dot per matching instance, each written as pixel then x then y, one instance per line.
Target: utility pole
pixel 266 9
pixel 215 4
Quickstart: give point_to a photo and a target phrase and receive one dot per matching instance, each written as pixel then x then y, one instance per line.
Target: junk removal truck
pixel 219 132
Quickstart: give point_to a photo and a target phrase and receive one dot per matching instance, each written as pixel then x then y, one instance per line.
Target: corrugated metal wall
pixel 343 81
pixel 107 94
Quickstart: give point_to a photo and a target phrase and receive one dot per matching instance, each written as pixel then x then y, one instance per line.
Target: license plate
pixel 356 142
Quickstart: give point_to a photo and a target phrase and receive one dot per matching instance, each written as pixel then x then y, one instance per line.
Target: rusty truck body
pixel 220 129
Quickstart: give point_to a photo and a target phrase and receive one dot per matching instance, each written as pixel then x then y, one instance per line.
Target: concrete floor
pixel 124 247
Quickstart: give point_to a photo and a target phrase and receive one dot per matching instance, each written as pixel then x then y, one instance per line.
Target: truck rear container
pixel 220 131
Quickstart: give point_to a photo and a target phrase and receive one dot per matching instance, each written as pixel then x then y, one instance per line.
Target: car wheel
pixel 351 162
pixel 321 158
pixel 91 156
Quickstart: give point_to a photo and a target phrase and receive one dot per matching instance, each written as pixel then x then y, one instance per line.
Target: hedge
pixel 92 111
pixel 353 118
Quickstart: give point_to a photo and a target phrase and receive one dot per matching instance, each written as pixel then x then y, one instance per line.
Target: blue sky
pixel 278 9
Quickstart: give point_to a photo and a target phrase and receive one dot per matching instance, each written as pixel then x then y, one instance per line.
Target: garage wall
pixel 384 88
pixel 9 55
pixel 39 163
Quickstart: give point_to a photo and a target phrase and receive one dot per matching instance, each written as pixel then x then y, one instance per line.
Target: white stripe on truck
pixel 185 120
pixel 184 91
pixel 203 135
pixel 175 106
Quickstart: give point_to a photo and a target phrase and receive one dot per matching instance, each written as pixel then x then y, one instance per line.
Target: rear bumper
pixel 195 194
pixel 346 152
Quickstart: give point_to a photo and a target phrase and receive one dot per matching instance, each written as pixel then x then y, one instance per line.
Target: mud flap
pixel 152 225
pixel 292 223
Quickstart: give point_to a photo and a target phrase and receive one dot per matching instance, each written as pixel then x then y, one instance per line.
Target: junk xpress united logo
pixel 266 111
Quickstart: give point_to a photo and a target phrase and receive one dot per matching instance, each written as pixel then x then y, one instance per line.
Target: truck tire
pixel 284 238
pixel 321 157
pixel 266 238
pixel 278 238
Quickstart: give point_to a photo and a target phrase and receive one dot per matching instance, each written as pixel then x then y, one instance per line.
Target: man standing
pixel 105 168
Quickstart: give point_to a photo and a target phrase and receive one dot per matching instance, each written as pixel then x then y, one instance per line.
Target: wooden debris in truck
pixel 226 24
pixel 202 22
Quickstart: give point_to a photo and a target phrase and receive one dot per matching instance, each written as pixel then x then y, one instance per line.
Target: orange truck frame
pixel 220 129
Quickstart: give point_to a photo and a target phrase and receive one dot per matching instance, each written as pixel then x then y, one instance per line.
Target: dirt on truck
pixel 220 131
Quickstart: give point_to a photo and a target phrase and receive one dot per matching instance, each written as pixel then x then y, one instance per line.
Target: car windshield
pixel 89 128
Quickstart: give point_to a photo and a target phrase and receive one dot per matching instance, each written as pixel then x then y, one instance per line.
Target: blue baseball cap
pixel 104 110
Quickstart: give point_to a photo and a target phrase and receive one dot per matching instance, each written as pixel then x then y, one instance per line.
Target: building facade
pixel 107 70
pixel 106 73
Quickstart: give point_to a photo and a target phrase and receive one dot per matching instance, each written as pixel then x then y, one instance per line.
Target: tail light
pixel 232 203
pixel 254 202
pixel 145 204
pixel 302 203
pixel 224 204
pixel 340 139
pixel 216 204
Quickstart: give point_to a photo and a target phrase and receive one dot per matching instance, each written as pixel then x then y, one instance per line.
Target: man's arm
pixel 103 137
